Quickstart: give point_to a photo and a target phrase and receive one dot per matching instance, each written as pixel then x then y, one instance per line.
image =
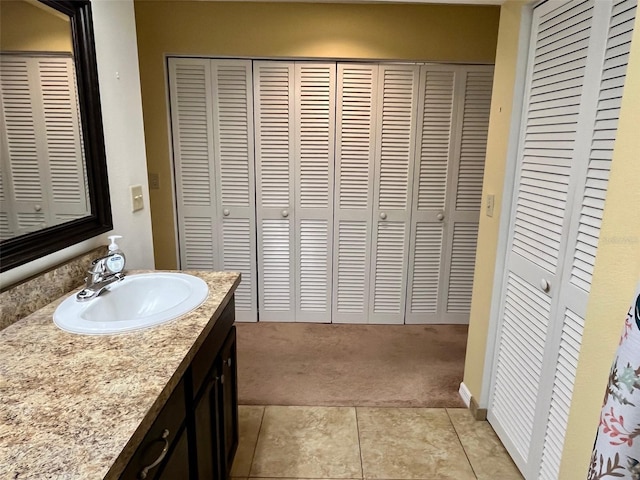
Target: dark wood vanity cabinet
pixel 201 416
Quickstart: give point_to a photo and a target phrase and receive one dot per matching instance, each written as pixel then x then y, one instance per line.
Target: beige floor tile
pixel 308 442
pixel 249 420
pixel 487 455
pixel 410 443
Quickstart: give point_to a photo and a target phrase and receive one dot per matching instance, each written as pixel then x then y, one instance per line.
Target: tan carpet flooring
pixel 350 365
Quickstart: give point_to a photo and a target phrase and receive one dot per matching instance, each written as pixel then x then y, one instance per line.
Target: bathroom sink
pixel 137 302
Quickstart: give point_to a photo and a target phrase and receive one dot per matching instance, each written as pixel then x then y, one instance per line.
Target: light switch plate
pixel 491 198
pixel 137 201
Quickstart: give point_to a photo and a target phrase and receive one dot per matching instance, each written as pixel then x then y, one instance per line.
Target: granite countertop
pixel 72 406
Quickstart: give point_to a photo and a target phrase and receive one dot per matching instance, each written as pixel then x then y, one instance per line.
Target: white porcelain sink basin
pixel 137 302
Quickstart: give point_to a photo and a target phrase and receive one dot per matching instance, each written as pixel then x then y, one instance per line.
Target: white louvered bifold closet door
pixel 212 125
pixel 41 144
pixel 192 128
pixel 572 98
pixel 591 179
pixel 454 117
pixel 395 143
pixel 234 175
pixel 315 90
pixel 353 201
pixel 275 173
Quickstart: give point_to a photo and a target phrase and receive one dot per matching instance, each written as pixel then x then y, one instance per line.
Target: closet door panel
pixel 353 199
pixel 548 140
pixel 434 146
pixel 192 130
pixel 274 140
pixel 42 143
pixel 462 212
pixel 591 178
pixel 315 86
pixel 395 143
pixel 235 185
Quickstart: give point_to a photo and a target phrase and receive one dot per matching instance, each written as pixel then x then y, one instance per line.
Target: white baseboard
pixel 465 394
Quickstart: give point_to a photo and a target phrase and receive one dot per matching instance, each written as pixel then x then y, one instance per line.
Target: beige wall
pixel 495 164
pixel 338 31
pixel 617 266
pixel 27 28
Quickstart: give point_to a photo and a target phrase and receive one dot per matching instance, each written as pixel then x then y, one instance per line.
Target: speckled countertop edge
pixel 76 406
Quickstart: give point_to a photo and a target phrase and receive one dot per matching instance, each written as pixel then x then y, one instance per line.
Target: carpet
pixel 350 365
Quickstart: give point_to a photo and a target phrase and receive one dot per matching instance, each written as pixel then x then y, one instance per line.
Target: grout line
pixel 461 444
pixel 255 447
pixel 359 443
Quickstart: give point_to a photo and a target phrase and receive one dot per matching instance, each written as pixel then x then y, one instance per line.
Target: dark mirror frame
pixel 25 248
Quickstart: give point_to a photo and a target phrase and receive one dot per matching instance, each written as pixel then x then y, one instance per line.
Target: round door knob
pixel 383 216
pixel 440 216
pixel 226 212
pixel 285 213
pixel 37 208
pixel 545 285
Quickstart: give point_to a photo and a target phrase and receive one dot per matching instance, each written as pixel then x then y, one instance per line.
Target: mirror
pixel 53 175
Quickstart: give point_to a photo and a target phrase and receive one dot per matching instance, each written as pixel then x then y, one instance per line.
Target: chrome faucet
pixel 103 272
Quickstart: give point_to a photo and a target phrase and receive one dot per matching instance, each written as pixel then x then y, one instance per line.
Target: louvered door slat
pixel 232 96
pixel 315 86
pixel 397 114
pixel 355 157
pixel 192 132
pixel 274 116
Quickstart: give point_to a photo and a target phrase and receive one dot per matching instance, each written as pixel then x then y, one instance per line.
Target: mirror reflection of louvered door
pixel 212 127
pixel 41 144
pixel 572 102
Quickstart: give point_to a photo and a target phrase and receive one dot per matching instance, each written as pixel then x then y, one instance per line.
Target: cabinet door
pixel 208 429
pixel 273 93
pixel 177 464
pixel 164 439
pixel 229 400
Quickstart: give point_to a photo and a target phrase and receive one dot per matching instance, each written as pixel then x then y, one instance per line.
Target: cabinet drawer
pixel 204 359
pixel 164 433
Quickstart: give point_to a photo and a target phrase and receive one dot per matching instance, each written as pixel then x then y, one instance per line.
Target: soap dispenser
pixel 115 260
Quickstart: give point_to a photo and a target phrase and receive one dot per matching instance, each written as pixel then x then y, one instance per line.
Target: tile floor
pixel 368 443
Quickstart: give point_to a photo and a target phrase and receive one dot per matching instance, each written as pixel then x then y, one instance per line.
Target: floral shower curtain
pixel 616 453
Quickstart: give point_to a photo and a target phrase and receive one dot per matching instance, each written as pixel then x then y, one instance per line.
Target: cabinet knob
pixel 228 362
pixel 37 208
pixel 440 216
pixel 145 471
pixel 383 215
pixel 285 213
pixel 226 212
